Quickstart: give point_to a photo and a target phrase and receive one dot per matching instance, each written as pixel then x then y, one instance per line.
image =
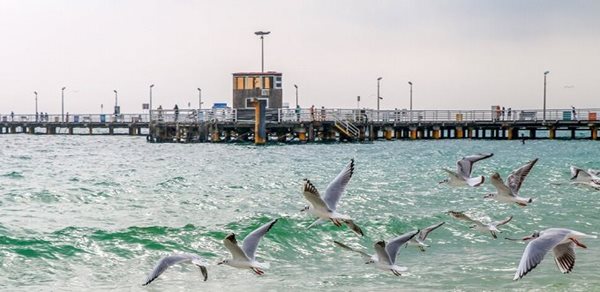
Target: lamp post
pixel 150 105
pixel 199 98
pixel 378 96
pixel 296 86
pixel 410 104
pixel 36 107
pixel 544 115
pixel 262 48
pixel 116 102
pixel 62 116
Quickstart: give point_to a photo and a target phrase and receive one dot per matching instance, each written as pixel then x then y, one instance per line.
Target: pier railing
pixel 314 114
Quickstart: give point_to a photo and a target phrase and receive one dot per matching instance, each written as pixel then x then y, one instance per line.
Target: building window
pixel 239 83
pixel 268 81
pixel 257 82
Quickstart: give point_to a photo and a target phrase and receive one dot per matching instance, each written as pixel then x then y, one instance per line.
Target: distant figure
pixel 36 116
pixel 12 116
pixel 509 114
pixel 176 109
pixel 67 120
pixel 523 139
pixel 503 111
pixel 312 112
pixel 298 112
pixel 160 112
pixel 497 115
pixel 322 113
pixel 574 114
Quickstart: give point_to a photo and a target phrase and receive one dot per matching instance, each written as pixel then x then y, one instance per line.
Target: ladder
pixel 345 127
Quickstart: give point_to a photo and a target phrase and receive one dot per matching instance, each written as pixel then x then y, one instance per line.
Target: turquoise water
pixel 96 213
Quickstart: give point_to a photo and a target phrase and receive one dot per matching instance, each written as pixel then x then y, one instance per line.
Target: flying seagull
pixel 385 253
pixel 491 227
pixel 464 167
pixel 509 192
pixel 244 257
pixel 588 178
pixel 325 207
pixel 561 241
pixel 164 263
pixel 418 240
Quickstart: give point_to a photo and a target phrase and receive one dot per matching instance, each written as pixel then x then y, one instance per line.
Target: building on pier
pixel 248 86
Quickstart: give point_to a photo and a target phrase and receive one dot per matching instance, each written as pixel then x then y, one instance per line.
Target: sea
pixel 95 213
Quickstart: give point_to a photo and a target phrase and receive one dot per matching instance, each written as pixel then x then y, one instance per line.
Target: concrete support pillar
pixel 111 131
pixel 260 128
pixel 311 133
pixel 398 134
pixel 32 130
pixel 552 133
pixel 470 133
pixel 594 133
pixel 70 130
pixel 510 134
pixel 388 133
pixel 361 133
pixel 459 132
pixel 91 130
pixel 301 134
pixel 532 133
pixel 573 133
pixel 215 136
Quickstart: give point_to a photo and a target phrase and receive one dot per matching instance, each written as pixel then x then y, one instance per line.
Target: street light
pixel 262 48
pixel 116 102
pixel 199 98
pixel 544 116
pixel 150 105
pixel 36 107
pixel 63 104
pixel 410 83
pixel 296 86
pixel 378 96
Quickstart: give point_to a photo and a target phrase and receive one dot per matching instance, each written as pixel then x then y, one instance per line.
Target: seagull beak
pixel 219 263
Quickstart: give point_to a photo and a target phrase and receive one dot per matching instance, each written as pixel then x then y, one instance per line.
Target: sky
pixel 463 54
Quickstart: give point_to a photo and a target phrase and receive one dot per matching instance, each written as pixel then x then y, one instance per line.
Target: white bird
pixel 509 192
pixel 464 167
pixel 561 241
pixel 588 178
pixel 164 263
pixel 491 227
pixel 418 240
pixel 325 208
pixel 244 257
pixel 385 254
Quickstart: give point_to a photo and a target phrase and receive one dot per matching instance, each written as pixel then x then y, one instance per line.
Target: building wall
pixel 275 97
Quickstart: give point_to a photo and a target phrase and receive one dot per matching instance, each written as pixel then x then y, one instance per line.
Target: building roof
pixel 268 73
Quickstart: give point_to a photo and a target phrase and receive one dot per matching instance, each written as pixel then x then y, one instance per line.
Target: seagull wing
pixel 336 187
pixel 463 217
pixel 501 187
pixel 465 165
pixel 165 262
pixel 516 178
pixel 382 254
pixel 564 256
pixel 312 195
pixel 498 223
pixel 536 250
pixel 425 232
pixel 363 254
pixel 577 172
pixel 251 241
pixel 394 244
pixel 236 252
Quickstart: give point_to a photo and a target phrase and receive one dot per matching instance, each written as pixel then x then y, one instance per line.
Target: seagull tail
pixel 476 181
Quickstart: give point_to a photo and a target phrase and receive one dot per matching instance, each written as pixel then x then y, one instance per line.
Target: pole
pixel 262 54
pixel 378 97
pixel 62 119
pixel 544 115
pixel 199 98
pixel 296 86
pixel 410 95
pixel 36 106
pixel 150 105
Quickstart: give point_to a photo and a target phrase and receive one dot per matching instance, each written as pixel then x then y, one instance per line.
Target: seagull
pixel 464 167
pixel 244 257
pixel 418 240
pixel 588 178
pixel 478 225
pixel 509 193
pixel 164 263
pixel 562 241
pixel 325 207
pixel 385 253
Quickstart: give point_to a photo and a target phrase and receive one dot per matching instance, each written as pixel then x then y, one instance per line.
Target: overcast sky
pixel 459 54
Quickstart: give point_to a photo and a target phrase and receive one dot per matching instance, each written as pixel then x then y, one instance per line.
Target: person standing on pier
pixel 574 114
pixel 298 112
pixel 12 116
pixel 176 109
pixel 503 111
pixel 322 113
pixel 509 113
pixel 312 112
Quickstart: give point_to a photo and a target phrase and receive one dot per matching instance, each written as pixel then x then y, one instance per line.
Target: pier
pixel 315 125
pixel 359 125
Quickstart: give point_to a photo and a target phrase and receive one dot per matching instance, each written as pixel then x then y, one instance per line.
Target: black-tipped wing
pixel 337 186
pixel 251 241
pixel 425 231
pixel 394 244
pixel 498 223
pixel 364 255
pixel 236 252
pixel 536 250
pixel 516 178
pixel 465 165
pixel 382 254
pixel 462 216
pixel 165 262
pixel 312 195
pixel 564 256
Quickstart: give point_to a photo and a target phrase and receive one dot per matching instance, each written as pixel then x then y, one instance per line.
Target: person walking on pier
pixel 12 116
pixel 503 111
pixel 176 109
pixel 574 114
